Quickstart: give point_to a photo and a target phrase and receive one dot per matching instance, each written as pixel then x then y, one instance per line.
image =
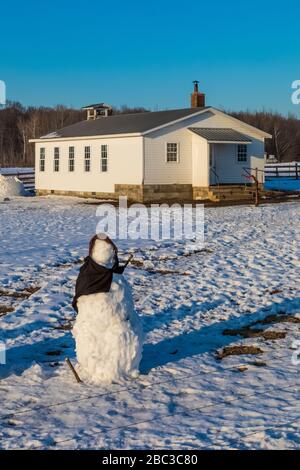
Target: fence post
pixel 296 168
pixel 277 172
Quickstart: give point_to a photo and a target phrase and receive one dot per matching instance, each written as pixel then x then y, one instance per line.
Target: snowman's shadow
pixel 207 339
pixel 46 352
pixel 183 345
pixel 197 342
pixel 166 317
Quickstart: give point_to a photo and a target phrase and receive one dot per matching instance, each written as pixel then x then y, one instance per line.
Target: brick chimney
pixel 197 99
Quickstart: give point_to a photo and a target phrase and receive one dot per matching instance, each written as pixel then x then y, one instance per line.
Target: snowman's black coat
pixel 94 278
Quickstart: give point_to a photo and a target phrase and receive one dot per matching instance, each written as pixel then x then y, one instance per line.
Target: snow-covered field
pixel 187 296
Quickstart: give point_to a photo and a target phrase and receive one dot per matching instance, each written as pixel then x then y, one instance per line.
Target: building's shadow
pixel 49 350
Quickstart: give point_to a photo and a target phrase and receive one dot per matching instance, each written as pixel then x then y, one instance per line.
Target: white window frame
pixel 56 159
pixel 240 151
pixel 104 158
pixel 87 159
pixel 42 159
pixel 167 152
pixel 71 163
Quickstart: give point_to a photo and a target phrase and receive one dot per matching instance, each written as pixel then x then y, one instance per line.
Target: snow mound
pixel 108 331
pixel 11 186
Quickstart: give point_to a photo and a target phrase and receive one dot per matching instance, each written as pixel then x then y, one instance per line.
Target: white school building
pixel 178 154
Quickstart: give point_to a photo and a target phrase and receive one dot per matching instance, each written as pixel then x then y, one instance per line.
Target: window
pixel 56 159
pixel 104 158
pixel 172 152
pixel 42 158
pixel 87 158
pixel 71 159
pixel 242 153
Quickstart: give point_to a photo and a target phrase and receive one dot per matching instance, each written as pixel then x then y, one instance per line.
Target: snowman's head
pixel 103 251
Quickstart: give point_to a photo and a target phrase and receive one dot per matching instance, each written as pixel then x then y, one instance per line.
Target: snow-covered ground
pixel 187 296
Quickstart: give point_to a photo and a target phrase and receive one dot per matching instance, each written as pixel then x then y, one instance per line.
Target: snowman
pixel 107 330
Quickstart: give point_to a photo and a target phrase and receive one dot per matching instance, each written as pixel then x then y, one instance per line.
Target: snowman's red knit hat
pixel 103 237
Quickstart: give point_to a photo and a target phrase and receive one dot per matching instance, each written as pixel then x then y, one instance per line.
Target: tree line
pixel 18 124
pixel 285 131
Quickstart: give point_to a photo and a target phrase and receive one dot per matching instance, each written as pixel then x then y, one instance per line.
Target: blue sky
pixel 139 53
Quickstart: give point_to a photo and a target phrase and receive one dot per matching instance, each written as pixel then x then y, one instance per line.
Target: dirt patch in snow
pixel 54 353
pixel 278 319
pixel 271 335
pixel 17 297
pixel 240 369
pixel 238 350
pixel 161 258
pixel 166 271
pixel 275 291
pixel 22 294
pixel 67 326
pixel 247 332
pixel 32 290
pixel 195 252
pixel 4 310
pixel 258 363
pixel 138 264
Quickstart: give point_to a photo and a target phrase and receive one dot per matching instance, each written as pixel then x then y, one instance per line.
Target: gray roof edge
pixel 222 134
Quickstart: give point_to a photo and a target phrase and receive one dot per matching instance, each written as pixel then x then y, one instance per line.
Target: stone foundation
pixel 134 192
pixel 202 193
pixel 83 194
pixel 167 192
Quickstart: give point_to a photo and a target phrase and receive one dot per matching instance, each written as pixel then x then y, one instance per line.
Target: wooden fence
pixel 27 177
pixel 282 170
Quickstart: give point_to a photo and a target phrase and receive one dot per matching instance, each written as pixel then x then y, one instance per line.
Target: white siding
pixel 125 165
pixel 158 171
pixel 200 153
pixel 230 170
pixel 227 167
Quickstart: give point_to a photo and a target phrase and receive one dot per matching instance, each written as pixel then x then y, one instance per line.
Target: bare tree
pixel 19 124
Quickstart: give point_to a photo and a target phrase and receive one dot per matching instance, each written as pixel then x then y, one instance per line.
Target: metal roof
pixel 212 134
pixel 96 105
pixel 123 123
